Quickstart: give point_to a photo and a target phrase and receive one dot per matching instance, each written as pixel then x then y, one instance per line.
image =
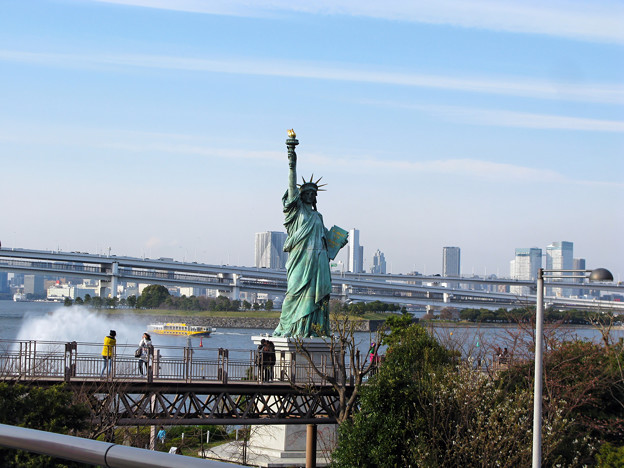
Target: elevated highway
pixel 420 291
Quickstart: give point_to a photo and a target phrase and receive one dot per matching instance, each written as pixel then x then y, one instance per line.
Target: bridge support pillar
pixel 114 279
pixel 111 282
pixel 235 287
pixel 311 446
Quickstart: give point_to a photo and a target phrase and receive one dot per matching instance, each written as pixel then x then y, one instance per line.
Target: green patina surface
pixel 305 311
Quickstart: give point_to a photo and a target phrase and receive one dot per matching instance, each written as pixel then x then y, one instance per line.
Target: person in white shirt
pixel 145 345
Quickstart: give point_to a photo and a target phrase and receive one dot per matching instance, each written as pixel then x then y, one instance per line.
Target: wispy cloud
pixel 505 118
pixel 502 118
pixel 124 142
pixel 465 167
pixel 599 20
pixel 521 87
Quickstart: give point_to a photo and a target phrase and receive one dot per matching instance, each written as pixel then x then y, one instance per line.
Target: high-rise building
pixel 33 284
pixel 17 280
pixel 355 262
pixel 379 263
pixel 560 256
pixel 4 283
pixel 361 258
pixel 525 267
pixel 451 261
pixel 579 264
pixel 270 250
pixel 451 264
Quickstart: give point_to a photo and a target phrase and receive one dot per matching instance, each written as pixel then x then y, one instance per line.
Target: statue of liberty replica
pixel 310 247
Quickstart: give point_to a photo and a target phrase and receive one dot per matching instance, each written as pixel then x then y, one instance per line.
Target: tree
pixel 585 383
pixel 426 408
pixel 347 369
pixel 132 300
pixel 67 302
pixel 391 402
pixel 223 303
pixel 256 306
pixel 268 305
pixel 246 305
pixel 79 301
pixel 152 297
pixel 610 456
pixel 49 409
pixel 449 313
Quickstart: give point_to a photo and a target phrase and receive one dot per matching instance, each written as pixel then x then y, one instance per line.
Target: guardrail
pixel 95 452
pixel 67 361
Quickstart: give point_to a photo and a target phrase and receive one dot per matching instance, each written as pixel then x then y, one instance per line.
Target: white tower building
pixel 560 256
pixel 270 250
pixel 450 261
pixel 524 267
pixel 355 262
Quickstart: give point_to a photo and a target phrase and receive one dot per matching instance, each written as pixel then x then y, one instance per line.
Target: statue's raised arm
pixel 291 142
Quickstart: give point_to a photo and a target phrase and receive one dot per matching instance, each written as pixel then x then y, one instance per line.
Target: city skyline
pixel 156 128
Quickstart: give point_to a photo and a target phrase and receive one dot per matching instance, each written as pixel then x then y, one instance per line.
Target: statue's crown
pixel 309 185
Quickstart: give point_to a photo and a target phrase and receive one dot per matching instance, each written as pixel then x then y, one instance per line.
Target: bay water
pixel 48 321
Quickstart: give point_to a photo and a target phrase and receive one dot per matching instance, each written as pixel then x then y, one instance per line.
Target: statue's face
pixel 309 197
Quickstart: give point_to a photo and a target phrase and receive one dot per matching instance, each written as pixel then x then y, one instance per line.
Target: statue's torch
pixel 291 142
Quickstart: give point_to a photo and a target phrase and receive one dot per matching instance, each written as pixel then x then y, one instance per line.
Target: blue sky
pixel 157 127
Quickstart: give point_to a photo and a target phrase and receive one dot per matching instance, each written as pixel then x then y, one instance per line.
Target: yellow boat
pixel 179 329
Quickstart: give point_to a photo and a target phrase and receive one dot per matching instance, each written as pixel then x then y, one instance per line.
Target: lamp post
pixel 599 274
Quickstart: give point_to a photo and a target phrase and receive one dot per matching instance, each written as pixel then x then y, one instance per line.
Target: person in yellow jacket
pixel 108 352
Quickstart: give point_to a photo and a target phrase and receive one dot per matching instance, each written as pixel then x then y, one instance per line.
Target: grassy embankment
pixel 274 314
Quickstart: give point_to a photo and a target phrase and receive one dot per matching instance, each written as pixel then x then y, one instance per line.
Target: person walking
pixel 145 346
pixel 271 359
pixel 108 352
pixel 266 362
pixel 260 359
pixel 161 435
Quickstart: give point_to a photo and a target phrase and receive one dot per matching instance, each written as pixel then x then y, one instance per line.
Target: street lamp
pixel 599 274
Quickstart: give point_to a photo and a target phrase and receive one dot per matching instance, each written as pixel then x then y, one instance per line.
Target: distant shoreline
pixel 238 320
pixel 266 323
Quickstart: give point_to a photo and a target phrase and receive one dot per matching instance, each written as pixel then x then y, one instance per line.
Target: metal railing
pixel 95 452
pixel 36 360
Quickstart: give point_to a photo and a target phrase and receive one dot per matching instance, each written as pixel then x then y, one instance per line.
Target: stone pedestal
pixel 284 445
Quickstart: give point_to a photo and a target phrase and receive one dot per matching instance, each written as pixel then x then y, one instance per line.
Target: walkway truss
pixel 232 404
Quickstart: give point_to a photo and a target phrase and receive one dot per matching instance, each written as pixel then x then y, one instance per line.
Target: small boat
pixel 179 329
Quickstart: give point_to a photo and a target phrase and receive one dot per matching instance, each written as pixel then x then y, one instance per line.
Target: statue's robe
pixel 305 311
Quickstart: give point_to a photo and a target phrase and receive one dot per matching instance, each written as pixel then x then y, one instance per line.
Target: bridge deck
pixel 181 386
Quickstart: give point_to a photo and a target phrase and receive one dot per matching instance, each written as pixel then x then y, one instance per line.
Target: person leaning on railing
pixel 108 352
